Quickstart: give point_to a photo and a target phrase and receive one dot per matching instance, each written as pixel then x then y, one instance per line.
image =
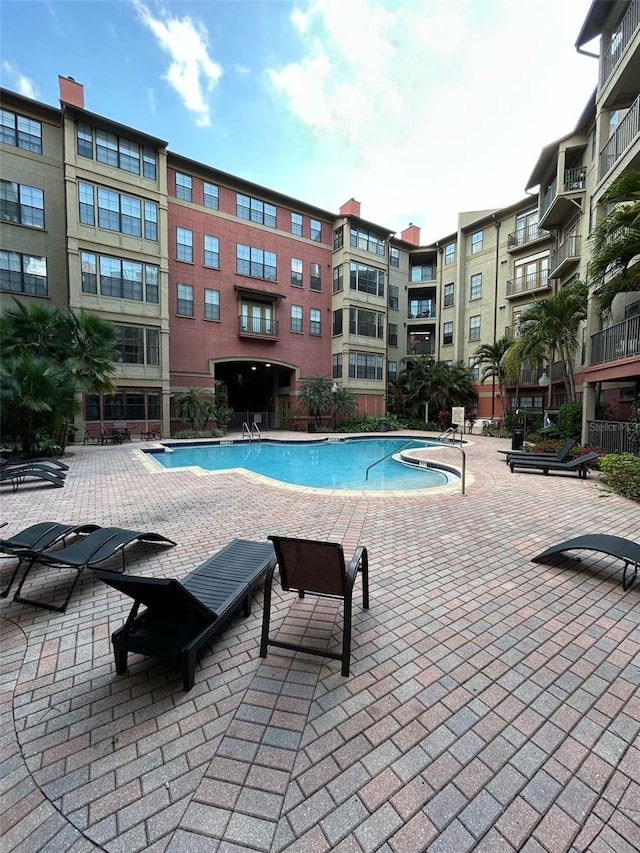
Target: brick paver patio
pixel 493 705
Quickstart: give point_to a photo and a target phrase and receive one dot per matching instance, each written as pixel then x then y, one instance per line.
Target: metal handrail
pixel 255 426
pixel 245 428
pixel 387 455
pixel 464 462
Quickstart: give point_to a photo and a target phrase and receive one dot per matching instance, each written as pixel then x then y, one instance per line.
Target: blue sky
pixel 419 109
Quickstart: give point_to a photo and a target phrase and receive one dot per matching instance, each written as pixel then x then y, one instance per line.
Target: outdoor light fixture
pixel 253 367
pixel 334 388
pixel 544 382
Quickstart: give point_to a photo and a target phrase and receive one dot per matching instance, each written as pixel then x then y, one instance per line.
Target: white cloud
pixel 192 72
pixel 21 83
pixel 434 107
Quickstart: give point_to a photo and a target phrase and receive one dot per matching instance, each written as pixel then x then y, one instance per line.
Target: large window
pixel 315 321
pixel 423 272
pixel 184 245
pixel 315 230
pixel 474 328
pixel 211 251
pixel 477 242
pixel 116 151
pixel 365 366
pixel 21 204
pixel 369 324
pixel 210 195
pixel 296 224
pixel 475 290
pixel 315 281
pixel 256 262
pixel 255 210
pixel 367 241
pixel 447 333
pixel 184 186
pixel 138 345
pixel 450 253
pixel 296 318
pixel 211 304
pixel 20 131
pixel 117 212
pixel 338 282
pixel 296 272
pixel 366 279
pixel 123 406
pixel 22 273
pixel 119 277
pixel 185 300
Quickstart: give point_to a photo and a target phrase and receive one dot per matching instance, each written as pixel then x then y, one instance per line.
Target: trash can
pixel 311 426
pixel 517 439
pixel 382 425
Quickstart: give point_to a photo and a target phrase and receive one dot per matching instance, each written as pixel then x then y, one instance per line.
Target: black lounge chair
pixel 95 548
pixel 319 568
pixel 20 473
pixel 36 461
pixel 39 537
pixel 580 464
pixel 181 617
pixel 562 455
pixel 614 546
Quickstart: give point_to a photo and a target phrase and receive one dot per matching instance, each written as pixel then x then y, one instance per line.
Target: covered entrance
pixel 256 390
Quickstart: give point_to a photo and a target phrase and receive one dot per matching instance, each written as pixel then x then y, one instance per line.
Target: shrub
pixel 622 474
pixel 199 433
pixel 369 423
pixel 570 420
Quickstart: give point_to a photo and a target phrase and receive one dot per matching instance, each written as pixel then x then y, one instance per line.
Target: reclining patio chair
pixel 615 546
pixel 319 568
pixel 39 537
pixel 20 473
pixel 34 462
pixel 92 549
pixel 580 464
pixel 562 455
pixel 181 617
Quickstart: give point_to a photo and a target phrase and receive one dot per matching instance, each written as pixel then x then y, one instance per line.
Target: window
pixel 450 253
pixel 526 228
pixel 117 212
pixel 210 195
pixel 211 304
pixel 394 256
pixel 149 164
pixel 475 291
pixel 315 281
pixel 296 224
pixel 211 251
pixel 296 318
pixel 256 262
pixel 369 324
pixel 477 242
pixel 21 204
pixel 448 294
pixel 422 272
pixel 184 187
pixel 530 275
pixel 185 300
pixel 337 322
pixel 394 296
pixel 257 318
pixel 138 345
pixel 447 333
pixel 474 328
pixel 184 245
pixel 393 335
pixel 474 368
pixel 20 131
pixel 114 151
pixel 316 230
pixel 365 366
pixel 296 272
pixel 392 371
pixel 123 405
pixel 119 278
pixel 255 210
pixel 366 279
pixel 338 283
pixel 22 273
pixel 336 366
pixel 338 238
pixel 315 321
pixel 360 238
pixel 84 140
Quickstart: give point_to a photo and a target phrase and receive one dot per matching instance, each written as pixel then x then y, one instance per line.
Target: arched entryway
pixel 256 390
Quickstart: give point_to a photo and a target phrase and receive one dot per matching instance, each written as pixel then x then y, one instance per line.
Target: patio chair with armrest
pixel 151 433
pixel 319 568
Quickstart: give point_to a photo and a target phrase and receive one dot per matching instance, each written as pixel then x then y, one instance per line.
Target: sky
pixel 418 109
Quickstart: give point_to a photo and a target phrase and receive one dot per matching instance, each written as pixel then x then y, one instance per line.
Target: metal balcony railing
pixel 526 235
pixel 618 341
pixel 619 41
pixel 258 326
pixel 534 281
pixel 620 140
pixel 570 249
pixel 420 348
pixel 421 308
pixel 573 180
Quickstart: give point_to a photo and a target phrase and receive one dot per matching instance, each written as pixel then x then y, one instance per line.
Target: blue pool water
pixel 322 465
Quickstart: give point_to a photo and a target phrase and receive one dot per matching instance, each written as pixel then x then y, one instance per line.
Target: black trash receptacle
pixel 517 439
pixel 311 426
pixel 382 425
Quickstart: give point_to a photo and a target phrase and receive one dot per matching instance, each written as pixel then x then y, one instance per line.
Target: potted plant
pixel 223 415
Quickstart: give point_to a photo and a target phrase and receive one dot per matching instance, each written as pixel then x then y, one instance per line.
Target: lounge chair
pixel 36 461
pixel 580 464
pixel 18 475
pixel 39 537
pixel 181 617
pixel 152 433
pixel 614 546
pixel 562 455
pixel 95 548
pixel 319 568
pixel 94 434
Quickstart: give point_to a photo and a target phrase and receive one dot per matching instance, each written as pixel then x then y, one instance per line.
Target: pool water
pixel 323 465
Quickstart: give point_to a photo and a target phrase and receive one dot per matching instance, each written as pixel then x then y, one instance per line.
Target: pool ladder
pixel 250 431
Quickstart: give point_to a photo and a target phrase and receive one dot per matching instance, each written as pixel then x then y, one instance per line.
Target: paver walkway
pixel 494 704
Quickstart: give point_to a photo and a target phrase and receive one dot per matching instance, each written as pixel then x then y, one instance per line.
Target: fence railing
pixel 612 436
pixel 618 341
pixel 620 140
pixel 619 40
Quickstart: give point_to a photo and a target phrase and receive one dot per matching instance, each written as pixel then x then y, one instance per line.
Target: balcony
pixel 619 42
pixel 424 347
pixel 621 139
pixel 258 327
pixel 537 282
pixel 420 309
pixel 559 204
pixel 524 236
pixel 565 257
pixel 621 340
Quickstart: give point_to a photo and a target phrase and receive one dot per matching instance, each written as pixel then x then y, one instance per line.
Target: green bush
pixel 622 474
pixel 570 420
pixel 370 423
pixel 199 433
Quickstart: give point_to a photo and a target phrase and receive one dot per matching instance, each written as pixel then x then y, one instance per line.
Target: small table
pixel 120 434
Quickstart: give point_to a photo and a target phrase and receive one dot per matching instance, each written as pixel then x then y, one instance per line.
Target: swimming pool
pixel 334 464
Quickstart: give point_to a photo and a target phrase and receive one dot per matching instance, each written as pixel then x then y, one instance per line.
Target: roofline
pixel 40 105
pixel 128 130
pixel 594 22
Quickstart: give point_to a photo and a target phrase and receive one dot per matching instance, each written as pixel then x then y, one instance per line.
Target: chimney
pixel 350 208
pixel 411 234
pixel 71 93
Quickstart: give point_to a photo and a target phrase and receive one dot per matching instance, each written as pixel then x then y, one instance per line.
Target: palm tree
pixel 195 406
pixel 316 398
pixel 427 381
pixel 491 358
pixel 615 265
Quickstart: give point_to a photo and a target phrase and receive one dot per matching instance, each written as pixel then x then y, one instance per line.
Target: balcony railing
pixel 573 181
pixel 567 251
pixel 619 41
pixel 419 309
pixel 258 326
pixel 620 140
pixel 526 284
pixel 420 348
pixel 526 235
pixel 618 341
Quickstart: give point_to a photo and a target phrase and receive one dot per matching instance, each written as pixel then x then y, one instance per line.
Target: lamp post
pixel 544 382
pixel 334 391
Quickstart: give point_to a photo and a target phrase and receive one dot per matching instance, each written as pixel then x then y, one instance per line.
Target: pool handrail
pixel 411 441
pixel 387 455
pixel 249 430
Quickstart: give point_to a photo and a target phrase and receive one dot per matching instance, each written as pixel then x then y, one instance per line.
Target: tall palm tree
pixel 615 265
pixel 195 406
pixel 427 381
pixel 491 358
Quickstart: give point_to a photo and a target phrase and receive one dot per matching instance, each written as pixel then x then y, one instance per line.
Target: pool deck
pixel 493 704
